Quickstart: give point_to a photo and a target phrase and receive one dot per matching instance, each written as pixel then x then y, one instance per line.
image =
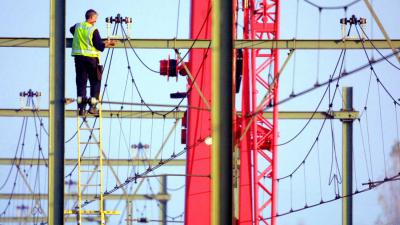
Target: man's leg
pixel 81 82
pixel 95 84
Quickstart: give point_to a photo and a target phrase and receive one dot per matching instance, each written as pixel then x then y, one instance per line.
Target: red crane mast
pixel 257 137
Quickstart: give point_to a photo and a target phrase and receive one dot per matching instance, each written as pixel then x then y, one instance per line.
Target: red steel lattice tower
pixel 257 135
pixel 258 144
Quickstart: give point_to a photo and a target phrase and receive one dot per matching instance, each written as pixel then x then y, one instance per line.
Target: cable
pixel 374 72
pixel 316 109
pixel 372 185
pixel 147 171
pixel 331 80
pixel 332 7
pixel 380 53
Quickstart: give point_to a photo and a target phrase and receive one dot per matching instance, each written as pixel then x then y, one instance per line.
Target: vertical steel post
pixel 163 203
pixel 221 113
pixel 347 158
pixel 129 210
pixel 56 112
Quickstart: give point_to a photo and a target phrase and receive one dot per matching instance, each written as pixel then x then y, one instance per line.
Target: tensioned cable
pixel 376 49
pixel 342 54
pixel 316 109
pixel 140 95
pixel 331 80
pixel 320 130
pixel 24 121
pixel 197 36
pixel 372 185
pixel 332 7
pixel 295 36
pixel 177 18
pixel 374 72
pixel 149 170
pixel 381 126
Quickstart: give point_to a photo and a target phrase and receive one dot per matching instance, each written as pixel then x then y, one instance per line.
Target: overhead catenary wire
pixel 332 7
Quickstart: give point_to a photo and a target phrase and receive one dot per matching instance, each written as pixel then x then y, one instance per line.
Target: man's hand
pixel 110 43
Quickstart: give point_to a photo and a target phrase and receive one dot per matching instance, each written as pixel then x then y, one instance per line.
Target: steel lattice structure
pixel 260 88
pixel 257 134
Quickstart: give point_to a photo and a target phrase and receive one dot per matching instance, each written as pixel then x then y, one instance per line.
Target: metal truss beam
pixel 37 220
pixel 130 197
pixel 113 162
pixel 187 43
pixel 178 114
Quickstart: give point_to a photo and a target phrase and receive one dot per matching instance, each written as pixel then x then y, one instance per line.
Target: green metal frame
pixel 187 43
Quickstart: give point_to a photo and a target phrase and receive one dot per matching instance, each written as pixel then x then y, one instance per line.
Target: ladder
pixel 90 170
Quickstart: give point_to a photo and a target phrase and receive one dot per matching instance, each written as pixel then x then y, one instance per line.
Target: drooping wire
pixel 316 109
pixel 318 50
pixel 348 73
pixel 23 125
pixel 177 18
pixel 381 126
pixel 319 168
pixel 373 70
pixel 376 49
pixel 364 150
pixel 295 36
pixel 332 7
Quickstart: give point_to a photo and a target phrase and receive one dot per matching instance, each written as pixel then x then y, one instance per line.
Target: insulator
pixel 363 20
pixel 353 19
pixel 168 67
pixel 343 21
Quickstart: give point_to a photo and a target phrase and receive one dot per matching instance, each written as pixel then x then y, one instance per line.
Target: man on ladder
pixel 86 48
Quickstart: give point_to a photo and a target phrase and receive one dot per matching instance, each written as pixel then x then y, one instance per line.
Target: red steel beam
pixel 198 189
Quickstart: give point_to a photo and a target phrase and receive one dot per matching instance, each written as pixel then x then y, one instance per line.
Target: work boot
pixel 82 112
pixel 93 110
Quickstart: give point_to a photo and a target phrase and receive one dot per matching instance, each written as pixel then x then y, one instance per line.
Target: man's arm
pixel 72 30
pixel 97 42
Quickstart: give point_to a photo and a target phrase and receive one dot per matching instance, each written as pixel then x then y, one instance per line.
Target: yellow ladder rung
pixel 90 157
pixel 89 171
pixel 91 185
pixel 109 212
pixel 90 143
pixel 84 128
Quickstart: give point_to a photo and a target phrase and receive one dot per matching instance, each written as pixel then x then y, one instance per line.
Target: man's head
pixel 91 16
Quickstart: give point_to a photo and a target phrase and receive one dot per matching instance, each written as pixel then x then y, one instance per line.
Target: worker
pixel 86 48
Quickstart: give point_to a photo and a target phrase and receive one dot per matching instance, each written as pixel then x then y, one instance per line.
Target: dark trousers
pixel 86 68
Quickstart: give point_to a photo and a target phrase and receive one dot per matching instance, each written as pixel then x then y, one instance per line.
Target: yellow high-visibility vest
pixel 82 43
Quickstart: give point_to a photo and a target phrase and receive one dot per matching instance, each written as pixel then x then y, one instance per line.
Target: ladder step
pixel 91 185
pixel 89 171
pixel 90 143
pixel 90 128
pixel 90 157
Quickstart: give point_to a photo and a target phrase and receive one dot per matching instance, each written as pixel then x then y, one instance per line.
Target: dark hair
pixel 90 13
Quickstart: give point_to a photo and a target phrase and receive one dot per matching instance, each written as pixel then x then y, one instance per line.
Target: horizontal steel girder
pixel 112 162
pixel 186 43
pixel 179 114
pixel 130 197
pixel 37 220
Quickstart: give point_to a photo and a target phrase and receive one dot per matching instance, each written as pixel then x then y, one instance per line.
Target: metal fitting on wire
pixel 27 99
pixel 353 20
pixel 118 20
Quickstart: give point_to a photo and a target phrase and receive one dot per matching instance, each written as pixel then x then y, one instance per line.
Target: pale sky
pixel 27 68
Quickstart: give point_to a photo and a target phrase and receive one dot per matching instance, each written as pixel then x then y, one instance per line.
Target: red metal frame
pixel 258 136
pixel 258 159
pixel 198 189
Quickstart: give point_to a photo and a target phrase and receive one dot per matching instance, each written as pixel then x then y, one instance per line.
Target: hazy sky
pixel 27 68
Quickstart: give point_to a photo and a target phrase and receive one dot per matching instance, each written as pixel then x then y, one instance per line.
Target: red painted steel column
pixel 198 189
pixel 245 181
